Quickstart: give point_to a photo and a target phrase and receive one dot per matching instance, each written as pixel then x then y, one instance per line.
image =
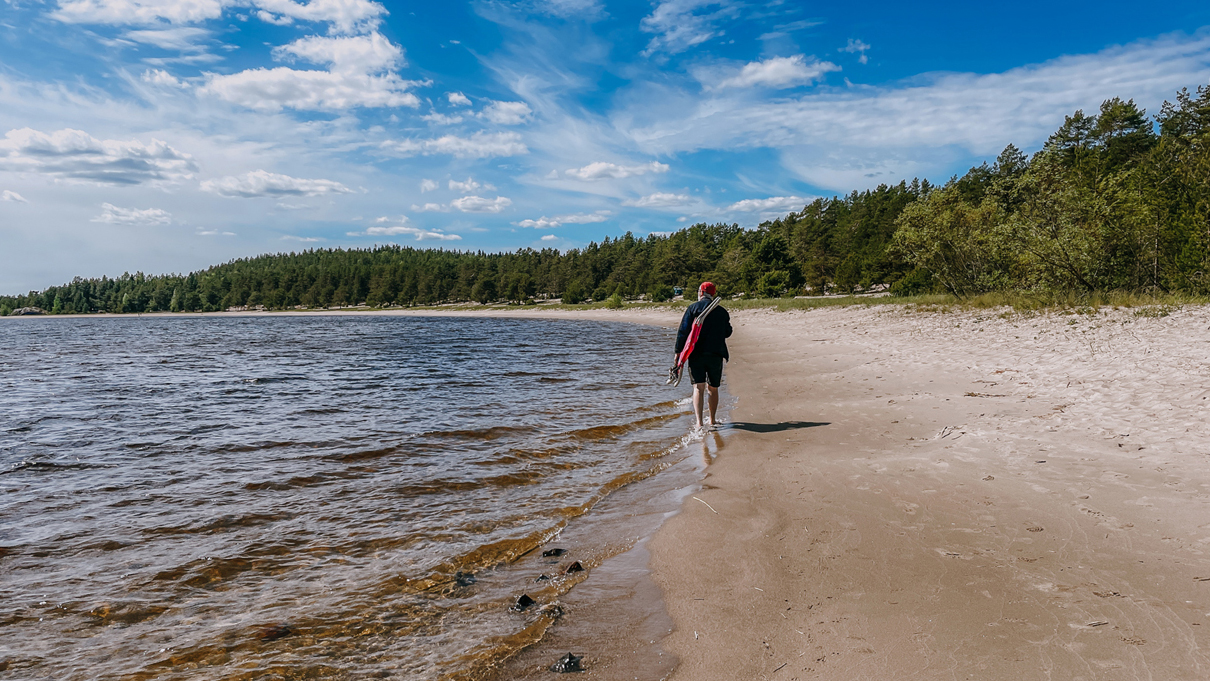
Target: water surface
pixel 308 497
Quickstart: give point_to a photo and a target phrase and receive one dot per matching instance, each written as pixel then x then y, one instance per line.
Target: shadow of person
pixel 772 427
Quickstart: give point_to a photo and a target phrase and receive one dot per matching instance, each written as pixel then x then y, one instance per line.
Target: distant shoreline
pixel 654 316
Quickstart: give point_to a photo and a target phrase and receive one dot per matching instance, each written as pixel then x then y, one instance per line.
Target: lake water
pixel 319 497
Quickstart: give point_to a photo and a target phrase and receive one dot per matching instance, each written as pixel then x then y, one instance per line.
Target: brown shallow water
pixel 331 497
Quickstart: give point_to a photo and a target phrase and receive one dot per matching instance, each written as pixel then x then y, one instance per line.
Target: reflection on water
pixel 307 497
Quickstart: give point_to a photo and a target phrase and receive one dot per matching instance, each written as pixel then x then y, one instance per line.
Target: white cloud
pixel 857 46
pixel 549 237
pixel 371 53
pixel 541 223
pixel 113 215
pixel 260 183
pixel 270 18
pixel 601 170
pixel 458 99
pixel 136 12
pixel 506 113
pixel 441 119
pixel 478 204
pixel 215 232
pixel 344 16
pixel 277 88
pixel 358 76
pixel 427 186
pixel 304 239
pixel 478 145
pixel 161 78
pixel 75 155
pixel 681 24
pixel 12 196
pixel 560 220
pixel 773 203
pixel 660 200
pixel 776 72
pixel 403 229
pixel 430 208
pixel 468 187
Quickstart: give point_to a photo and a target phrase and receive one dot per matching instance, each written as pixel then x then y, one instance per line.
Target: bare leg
pixel 699 396
pixel 713 407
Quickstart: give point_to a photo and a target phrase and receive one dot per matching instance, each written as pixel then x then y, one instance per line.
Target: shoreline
pixel 955 495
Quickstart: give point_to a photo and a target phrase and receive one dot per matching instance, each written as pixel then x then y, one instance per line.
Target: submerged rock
pixel 574 567
pixel 465 578
pixel 542 578
pixel 523 602
pixel 567 663
pixel 275 632
pixel 553 552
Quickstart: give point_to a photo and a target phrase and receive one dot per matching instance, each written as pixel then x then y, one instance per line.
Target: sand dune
pixel 1022 497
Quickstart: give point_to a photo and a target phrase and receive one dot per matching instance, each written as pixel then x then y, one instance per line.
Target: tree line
pixel 1113 201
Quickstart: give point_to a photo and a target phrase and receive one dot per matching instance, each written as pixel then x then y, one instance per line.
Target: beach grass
pixel 1145 304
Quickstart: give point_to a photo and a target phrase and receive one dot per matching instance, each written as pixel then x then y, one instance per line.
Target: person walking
pixel 706 359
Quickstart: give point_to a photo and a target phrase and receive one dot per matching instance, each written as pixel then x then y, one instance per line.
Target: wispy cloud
pixel 601 170
pixel 113 215
pixel 660 200
pixel 773 203
pixel 679 25
pixel 846 138
pixel 8 195
pixel 478 145
pixel 261 183
pixel 571 219
pixel 76 155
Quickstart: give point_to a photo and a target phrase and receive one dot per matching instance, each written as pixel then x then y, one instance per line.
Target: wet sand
pixel 950 496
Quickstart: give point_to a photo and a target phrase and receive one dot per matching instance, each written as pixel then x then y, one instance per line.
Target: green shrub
pixel 916 282
pixel 615 302
pixel 661 293
pixel 573 294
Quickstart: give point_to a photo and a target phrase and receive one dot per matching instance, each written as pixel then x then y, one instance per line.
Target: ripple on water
pixel 305 497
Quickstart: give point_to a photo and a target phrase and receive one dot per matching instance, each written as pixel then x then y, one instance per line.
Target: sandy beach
pixel 909 495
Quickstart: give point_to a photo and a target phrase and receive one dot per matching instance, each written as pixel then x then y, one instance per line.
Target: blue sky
pixel 166 136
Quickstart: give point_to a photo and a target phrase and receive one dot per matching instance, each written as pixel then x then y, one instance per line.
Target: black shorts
pixel 706 367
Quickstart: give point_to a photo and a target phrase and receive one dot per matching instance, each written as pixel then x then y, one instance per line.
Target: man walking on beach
pixel 706 360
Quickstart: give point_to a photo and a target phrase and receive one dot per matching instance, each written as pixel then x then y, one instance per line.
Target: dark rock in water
pixel 574 567
pixel 465 579
pixel 553 552
pixel 542 578
pixel 275 632
pixel 523 602
pixel 567 663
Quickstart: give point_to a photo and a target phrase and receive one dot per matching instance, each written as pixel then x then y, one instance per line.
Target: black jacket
pixel 715 330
